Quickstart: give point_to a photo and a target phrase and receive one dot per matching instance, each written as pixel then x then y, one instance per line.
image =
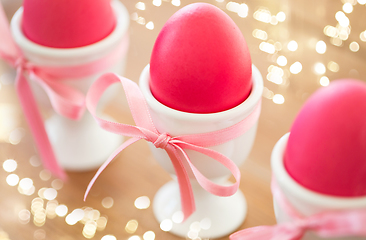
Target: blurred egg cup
pixel 305 201
pixel 78 145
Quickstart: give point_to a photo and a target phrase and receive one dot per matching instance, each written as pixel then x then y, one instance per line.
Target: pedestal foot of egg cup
pixel 215 216
pixel 305 201
pixel 79 145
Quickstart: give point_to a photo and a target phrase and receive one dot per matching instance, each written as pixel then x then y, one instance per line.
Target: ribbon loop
pixel 174 146
pixel 65 100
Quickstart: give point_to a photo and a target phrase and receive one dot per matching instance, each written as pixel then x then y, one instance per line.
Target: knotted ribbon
pixel 174 146
pixel 65 100
pixel 328 224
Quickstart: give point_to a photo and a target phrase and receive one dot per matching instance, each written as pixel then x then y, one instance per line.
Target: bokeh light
pixel 330 31
pixel 131 226
pixel 24 216
pixel 178 217
pixel 157 3
pixel 140 6
pixel 135 237
pixel 324 81
pixel 35 161
pixel 50 194
pixel 354 46
pixel 89 229
pixel 57 184
pixel 333 66
pixel 108 237
pixel 166 225
pixel 263 15
pixel 176 3
pixel 319 68
pixel 347 7
pixel 149 235
pixel 10 165
pixel 142 202
pixel 282 61
pixel 281 16
pixel 61 210
pixel 150 25
pixel 107 202
pixel 260 34
pixel 296 68
pixel 205 223
pixel 321 47
pixel 278 99
pixel 45 175
pixel 363 36
pixel 267 47
pixel 292 46
pixel 342 19
pixel 101 223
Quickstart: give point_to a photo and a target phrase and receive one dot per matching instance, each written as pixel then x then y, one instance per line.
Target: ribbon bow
pixel 65 100
pixel 337 223
pixel 174 146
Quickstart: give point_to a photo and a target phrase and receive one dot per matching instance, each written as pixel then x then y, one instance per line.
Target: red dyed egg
pixel 67 23
pixel 200 62
pixel 326 150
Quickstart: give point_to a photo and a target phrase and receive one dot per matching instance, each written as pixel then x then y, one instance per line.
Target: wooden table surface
pixel 135 173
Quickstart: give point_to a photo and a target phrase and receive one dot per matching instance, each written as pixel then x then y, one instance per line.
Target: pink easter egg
pixel 67 23
pixel 200 62
pixel 326 150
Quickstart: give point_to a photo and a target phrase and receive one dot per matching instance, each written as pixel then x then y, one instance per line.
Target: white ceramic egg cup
pixel 303 200
pixel 78 145
pixel 215 216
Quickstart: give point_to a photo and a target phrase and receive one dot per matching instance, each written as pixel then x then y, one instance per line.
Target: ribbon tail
pixel 185 188
pixel 216 189
pixel 65 100
pixel 36 126
pixel 8 49
pixel 106 163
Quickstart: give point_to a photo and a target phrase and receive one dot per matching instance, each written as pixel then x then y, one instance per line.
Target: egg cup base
pixel 214 217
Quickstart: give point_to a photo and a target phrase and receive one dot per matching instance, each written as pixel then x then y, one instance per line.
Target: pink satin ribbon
pixel 65 100
pixel 174 146
pixel 329 224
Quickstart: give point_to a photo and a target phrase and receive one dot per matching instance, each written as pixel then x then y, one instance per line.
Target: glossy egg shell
pixel 67 23
pixel 326 150
pixel 200 62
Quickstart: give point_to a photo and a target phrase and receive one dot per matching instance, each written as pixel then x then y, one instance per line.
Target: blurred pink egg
pixel 67 23
pixel 326 150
